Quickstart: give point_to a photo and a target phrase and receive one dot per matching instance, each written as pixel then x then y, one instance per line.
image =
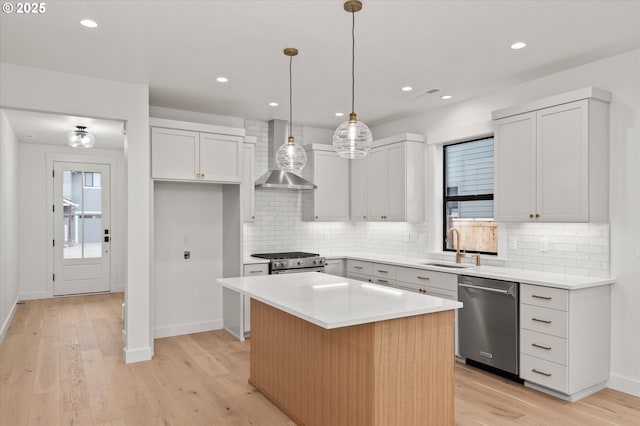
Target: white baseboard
pixel 137 355
pixel 187 328
pixel 34 296
pixel 7 322
pixel 624 384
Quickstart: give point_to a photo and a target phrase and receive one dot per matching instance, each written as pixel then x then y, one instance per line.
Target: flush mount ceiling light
pixel 352 139
pixel 518 45
pixel 89 23
pixel 339 114
pixel 445 97
pixel 291 157
pixel 407 89
pixel 222 79
pixel 80 138
pixel 273 104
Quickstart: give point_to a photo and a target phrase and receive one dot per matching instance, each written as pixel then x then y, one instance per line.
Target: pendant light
pixel 352 139
pixel 291 157
pixel 80 138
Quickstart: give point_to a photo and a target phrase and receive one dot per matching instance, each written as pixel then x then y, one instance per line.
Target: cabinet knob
pixel 364 217
pixel 253 217
pixel 201 174
pixel 316 217
pixel 537 215
pixel 530 215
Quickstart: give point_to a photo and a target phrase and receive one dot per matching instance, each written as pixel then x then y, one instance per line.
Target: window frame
pixel 454 198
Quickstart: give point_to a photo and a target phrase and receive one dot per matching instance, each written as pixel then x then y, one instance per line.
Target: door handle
pixel 494 290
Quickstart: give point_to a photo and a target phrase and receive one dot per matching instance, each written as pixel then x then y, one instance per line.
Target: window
pixel 468 196
pixel 91 180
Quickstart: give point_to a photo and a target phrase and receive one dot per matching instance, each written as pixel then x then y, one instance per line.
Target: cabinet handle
pixel 357 267
pixel 535 296
pixel 541 372
pixel 383 281
pixel 530 215
pixel 539 320
pixel 537 216
pixel 382 271
pixel 546 348
pixel 254 271
pixel 422 278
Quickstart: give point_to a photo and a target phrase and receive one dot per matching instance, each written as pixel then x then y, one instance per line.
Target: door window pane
pixel 82 214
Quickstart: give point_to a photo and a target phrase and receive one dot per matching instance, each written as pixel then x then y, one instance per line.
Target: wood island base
pixel 385 373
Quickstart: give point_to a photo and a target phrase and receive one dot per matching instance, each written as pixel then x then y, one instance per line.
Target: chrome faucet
pixel 459 255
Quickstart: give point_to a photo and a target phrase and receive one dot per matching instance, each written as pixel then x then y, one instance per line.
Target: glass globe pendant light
pixel 352 139
pixel 291 157
pixel 80 138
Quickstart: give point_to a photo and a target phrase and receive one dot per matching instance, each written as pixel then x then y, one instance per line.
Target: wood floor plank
pixel 61 364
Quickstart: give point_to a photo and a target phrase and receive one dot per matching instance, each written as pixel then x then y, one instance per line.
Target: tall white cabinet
pixel 388 184
pixel 552 159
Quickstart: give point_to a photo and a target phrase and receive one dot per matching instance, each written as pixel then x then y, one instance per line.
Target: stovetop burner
pixel 285 255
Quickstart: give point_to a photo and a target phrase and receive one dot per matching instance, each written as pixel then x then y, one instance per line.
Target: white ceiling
pixel 179 47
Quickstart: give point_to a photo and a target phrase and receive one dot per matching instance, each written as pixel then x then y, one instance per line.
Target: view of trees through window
pixel 468 196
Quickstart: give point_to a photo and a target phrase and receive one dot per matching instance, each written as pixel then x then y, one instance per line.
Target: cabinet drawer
pixel 383 281
pixel 544 346
pixel 548 321
pixel 547 297
pixel 439 280
pixel 545 373
pixel 359 267
pixel 359 277
pixel 443 294
pixel 411 287
pixel 256 269
pixel 383 271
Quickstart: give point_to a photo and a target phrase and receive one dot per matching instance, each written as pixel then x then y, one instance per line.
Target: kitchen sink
pixel 446 264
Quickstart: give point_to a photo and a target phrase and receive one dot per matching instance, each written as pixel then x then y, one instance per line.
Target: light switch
pixel 544 245
pixel 513 243
pixel 187 255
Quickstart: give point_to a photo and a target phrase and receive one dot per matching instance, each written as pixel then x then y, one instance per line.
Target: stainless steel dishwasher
pixel 488 329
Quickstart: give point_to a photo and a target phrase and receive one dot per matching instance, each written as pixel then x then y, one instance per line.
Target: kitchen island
pixel 334 351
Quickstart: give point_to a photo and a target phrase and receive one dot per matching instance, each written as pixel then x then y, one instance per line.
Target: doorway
pixel 82 232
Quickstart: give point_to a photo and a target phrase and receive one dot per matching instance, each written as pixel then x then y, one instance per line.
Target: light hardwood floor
pixel 61 363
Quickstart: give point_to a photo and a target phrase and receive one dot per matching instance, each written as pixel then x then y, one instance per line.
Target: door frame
pixel 115 245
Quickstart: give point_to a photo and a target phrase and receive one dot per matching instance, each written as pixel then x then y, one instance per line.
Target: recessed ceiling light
pixel 445 97
pixel 518 45
pixel 273 104
pixel 28 136
pixel 89 23
pixel 339 114
pixel 407 88
pixel 222 79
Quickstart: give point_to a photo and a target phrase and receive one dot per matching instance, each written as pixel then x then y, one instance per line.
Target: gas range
pixel 293 262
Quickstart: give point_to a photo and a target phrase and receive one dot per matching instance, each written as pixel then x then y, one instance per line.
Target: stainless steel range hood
pixel 275 178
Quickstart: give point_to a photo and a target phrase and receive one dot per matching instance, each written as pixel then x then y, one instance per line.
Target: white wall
pixel 8 223
pixel 62 93
pixel 188 216
pixel 34 189
pixel 621 76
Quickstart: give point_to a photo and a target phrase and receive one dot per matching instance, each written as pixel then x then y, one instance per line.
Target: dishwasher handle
pixel 494 290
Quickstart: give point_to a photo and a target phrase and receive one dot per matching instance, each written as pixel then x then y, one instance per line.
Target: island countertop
pixel 330 301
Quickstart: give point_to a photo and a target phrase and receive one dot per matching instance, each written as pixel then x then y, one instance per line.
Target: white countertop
pixel 547 279
pixel 330 301
pixel 250 260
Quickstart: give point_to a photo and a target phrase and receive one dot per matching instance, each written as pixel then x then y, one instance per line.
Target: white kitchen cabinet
pixel 388 184
pixel 330 173
pixel 552 163
pixel 248 179
pixel 237 307
pixel 334 267
pixel 564 339
pixel 180 153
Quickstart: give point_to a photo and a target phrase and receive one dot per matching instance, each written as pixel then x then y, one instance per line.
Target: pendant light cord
pixel 353 60
pixel 290 98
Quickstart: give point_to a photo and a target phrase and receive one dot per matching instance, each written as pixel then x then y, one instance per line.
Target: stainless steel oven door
pixel 298 270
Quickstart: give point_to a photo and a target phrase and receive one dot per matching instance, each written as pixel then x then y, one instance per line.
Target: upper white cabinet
pixel 330 173
pixel 552 159
pixel 195 152
pixel 248 179
pixel 388 184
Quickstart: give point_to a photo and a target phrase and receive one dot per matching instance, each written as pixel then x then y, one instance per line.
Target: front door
pixel 82 232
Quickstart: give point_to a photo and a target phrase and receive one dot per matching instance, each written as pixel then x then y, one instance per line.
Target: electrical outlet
pixel 544 245
pixel 187 255
pixel 513 243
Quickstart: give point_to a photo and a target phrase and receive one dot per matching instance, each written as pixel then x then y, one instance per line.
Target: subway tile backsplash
pixel 572 248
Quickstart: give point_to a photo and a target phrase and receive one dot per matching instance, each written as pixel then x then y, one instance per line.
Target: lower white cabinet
pixel 564 339
pixel 236 307
pixel 334 267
